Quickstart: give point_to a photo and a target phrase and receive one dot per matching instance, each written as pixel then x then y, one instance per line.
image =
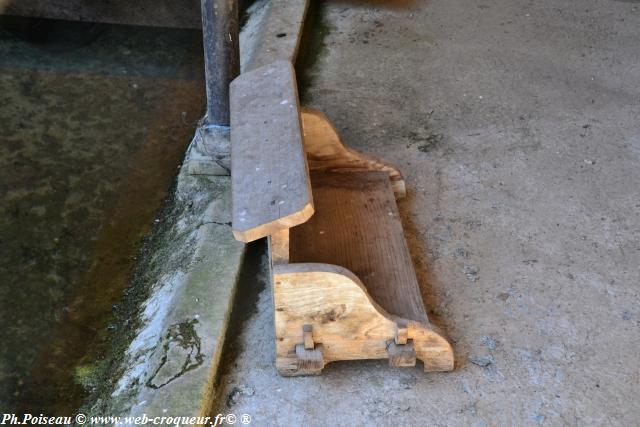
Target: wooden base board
pixel 357 226
pixel 346 324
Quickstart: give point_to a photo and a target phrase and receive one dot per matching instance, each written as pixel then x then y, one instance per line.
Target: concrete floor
pixel 517 125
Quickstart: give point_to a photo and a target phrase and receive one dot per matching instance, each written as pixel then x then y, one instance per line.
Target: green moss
pixel 153 257
pixel 85 375
pixel 168 249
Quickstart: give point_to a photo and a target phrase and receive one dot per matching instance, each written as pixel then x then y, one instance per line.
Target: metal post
pixel 221 56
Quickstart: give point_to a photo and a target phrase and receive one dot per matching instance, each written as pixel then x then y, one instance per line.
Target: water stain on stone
pixel 181 353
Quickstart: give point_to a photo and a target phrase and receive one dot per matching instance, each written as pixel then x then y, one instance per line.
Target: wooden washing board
pixel 344 286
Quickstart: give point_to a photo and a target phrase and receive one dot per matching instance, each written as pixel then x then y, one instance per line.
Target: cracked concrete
pixel 517 126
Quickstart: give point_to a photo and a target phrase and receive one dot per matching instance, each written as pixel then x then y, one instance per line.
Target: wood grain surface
pixel 269 175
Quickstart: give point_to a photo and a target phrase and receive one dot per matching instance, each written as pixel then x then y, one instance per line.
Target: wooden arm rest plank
pixel 269 174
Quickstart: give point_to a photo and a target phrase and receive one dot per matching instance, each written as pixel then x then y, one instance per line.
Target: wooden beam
pixel 270 179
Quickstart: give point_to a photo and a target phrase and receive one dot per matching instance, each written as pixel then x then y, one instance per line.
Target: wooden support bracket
pixel 347 324
pixel 327 153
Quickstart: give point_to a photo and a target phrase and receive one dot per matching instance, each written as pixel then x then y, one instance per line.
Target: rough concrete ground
pixel 517 125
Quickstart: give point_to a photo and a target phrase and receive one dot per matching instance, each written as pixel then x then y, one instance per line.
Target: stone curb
pixel 171 366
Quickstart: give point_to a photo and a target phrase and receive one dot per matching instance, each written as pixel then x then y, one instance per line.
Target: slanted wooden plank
pixel 279 34
pixel 357 226
pixel 269 174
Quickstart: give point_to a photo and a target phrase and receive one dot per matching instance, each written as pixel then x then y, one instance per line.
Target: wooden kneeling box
pixel 344 286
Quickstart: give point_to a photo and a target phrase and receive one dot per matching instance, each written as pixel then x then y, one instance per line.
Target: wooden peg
pixel 403 355
pixel 308 337
pixel 402 335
